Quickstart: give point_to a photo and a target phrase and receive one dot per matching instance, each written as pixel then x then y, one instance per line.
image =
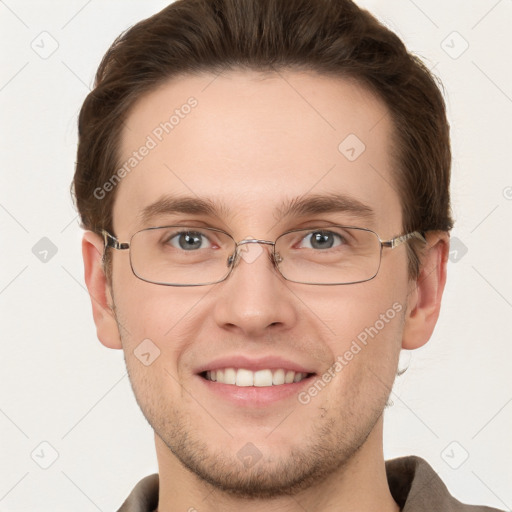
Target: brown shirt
pixel 415 486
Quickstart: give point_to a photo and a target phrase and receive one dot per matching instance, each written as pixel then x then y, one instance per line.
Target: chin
pixel 264 468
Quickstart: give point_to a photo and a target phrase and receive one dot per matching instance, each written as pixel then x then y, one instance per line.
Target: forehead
pixel 250 143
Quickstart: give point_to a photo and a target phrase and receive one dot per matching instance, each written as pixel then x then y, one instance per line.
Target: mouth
pixel 243 377
pixel 254 382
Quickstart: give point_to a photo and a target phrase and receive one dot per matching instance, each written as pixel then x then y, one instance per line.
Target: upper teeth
pixel 243 377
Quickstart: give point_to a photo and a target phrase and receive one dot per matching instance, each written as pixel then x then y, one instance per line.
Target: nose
pixel 255 299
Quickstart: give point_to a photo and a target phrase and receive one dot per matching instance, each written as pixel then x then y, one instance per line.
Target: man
pixel 265 186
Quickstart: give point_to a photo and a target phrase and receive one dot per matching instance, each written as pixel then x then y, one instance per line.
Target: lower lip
pixel 255 396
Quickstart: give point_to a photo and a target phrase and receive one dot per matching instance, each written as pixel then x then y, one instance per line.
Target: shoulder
pixel 416 487
pixel 144 496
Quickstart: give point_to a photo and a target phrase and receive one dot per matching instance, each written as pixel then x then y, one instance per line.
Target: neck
pixel 361 484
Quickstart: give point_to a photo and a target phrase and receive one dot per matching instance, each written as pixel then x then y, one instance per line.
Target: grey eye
pixel 189 241
pixel 321 240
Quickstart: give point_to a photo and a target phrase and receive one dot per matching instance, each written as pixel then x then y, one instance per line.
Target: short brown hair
pixel 331 37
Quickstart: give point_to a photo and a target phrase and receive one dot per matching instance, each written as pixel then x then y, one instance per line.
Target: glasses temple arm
pixel 113 242
pixel 399 240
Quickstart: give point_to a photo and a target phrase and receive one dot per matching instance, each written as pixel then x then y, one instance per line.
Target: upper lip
pixel 254 364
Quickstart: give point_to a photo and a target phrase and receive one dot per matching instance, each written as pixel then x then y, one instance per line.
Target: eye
pixel 321 240
pixel 189 241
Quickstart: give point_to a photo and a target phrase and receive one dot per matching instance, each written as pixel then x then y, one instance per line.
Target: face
pixel 251 145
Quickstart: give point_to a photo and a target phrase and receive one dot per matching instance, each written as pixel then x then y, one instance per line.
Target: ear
pixel 99 291
pixel 424 298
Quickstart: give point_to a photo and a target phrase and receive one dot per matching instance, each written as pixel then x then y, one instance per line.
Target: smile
pixel 261 378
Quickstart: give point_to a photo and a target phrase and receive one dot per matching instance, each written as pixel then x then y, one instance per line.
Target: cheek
pixel 342 313
pixel 363 371
pixel 156 325
pixel 149 310
pixel 148 324
pixel 363 327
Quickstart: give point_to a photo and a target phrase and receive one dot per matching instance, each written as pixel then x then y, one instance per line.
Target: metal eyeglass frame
pixel 112 242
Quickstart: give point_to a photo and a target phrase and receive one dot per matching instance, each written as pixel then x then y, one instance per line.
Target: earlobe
pixel 424 299
pixel 99 291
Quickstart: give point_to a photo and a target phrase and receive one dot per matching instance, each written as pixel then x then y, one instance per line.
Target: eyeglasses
pixel 193 256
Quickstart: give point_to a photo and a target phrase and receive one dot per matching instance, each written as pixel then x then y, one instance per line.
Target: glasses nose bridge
pixel 235 258
pixel 254 241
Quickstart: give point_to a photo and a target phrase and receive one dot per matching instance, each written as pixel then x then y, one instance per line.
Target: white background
pixel 61 386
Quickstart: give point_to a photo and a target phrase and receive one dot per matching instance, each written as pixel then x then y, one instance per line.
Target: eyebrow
pixel 299 206
pixel 183 204
pixel 324 203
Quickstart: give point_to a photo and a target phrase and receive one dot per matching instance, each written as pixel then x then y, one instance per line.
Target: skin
pixel 253 141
